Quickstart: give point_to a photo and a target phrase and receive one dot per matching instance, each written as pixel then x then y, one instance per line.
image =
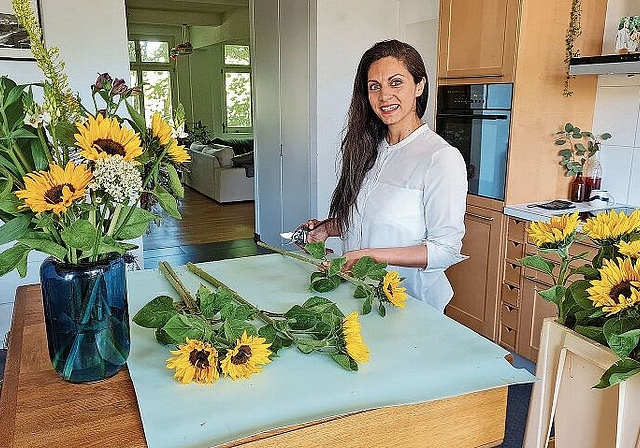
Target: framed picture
pixel 14 42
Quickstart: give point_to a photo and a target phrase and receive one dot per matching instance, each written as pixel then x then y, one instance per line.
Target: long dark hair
pixel 365 130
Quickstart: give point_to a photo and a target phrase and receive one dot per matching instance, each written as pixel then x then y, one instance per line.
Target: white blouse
pixel 414 194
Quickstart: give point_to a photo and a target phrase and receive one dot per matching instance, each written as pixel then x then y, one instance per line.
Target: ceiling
pixel 180 12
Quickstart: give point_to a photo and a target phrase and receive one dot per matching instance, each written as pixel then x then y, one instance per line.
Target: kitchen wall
pixel 617 111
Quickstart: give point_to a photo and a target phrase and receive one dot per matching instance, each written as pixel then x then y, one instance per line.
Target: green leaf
pixel 14 95
pixel 9 204
pixel 136 226
pixel 81 234
pixel 271 335
pixel 622 335
pixel 578 291
pixel 568 128
pixel 45 246
pixel 555 294
pixel 137 118
pixel 345 362
pixel 167 201
pixel 321 305
pixel 335 265
pixel 39 156
pixel 325 284
pixel 366 305
pixel 588 271
pixel 617 373
pixel 175 185
pixel 537 262
pixel 233 329
pixel 362 267
pixel 382 311
pixel 156 313
pixel 360 293
pixel 12 257
pixel 163 338
pixel 180 326
pixel 591 332
pixel 14 229
pixel 22 133
pixel 316 250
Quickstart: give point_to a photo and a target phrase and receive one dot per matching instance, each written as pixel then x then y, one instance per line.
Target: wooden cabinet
pixel 476 280
pixel 477 40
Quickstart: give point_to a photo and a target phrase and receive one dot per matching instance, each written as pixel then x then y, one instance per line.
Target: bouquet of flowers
pixel 71 179
pixel 599 299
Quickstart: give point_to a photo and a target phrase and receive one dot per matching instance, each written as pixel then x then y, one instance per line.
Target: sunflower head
pixel 618 287
pixel 612 226
pixel 177 153
pixel 247 357
pixel 160 129
pixel 55 190
pixel 392 290
pixel 352 337
pixel 101 137
pixel 558 232
pixel 631 249
pixel 194 361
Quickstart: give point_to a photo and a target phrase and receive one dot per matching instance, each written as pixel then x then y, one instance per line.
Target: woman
pixel 402 191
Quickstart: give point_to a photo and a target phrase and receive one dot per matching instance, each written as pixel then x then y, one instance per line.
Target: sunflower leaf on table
pixel 603 305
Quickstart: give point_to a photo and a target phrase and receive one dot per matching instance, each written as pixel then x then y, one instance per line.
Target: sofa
pixel 221 172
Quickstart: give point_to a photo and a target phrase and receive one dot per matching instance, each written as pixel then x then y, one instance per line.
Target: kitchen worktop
pixel 530 212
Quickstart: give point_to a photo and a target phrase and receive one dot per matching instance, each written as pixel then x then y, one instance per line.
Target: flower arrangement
pixel 599 299
pixel 223 337
pixel 71 180
pixel 580 146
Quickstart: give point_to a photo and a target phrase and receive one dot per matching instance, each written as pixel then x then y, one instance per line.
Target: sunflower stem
pixel 175 281
pixel 218 284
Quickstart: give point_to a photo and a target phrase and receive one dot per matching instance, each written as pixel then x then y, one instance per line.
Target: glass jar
pixel 577 189
pixel 592 174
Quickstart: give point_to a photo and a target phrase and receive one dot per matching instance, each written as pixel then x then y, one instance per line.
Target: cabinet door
pixel 476 281
pixel 477 39
pixel 533 310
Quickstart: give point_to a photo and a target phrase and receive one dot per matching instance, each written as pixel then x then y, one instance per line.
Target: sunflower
pixel 631 249
pixel 195 360
pixel 612 225
pixel 56 189
pixel 356 348
pixel 557 232
pixel 160 129
pixel 618 287
pixel 247 357
pixel 393 291
pixel 177 153
pixel 103 137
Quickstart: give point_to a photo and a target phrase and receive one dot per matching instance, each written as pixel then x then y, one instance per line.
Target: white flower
pixel 117 177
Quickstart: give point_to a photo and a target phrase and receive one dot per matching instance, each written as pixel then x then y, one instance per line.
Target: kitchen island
pixel 430 382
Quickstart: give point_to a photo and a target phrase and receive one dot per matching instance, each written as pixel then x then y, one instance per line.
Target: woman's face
pixel 392 92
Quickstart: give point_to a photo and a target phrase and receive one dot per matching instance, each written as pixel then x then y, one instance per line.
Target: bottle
pixel 592 174
pixel 577 189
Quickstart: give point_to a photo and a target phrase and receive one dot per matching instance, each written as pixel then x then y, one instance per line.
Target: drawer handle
pixel 539 282
pixel 495 75
pixel 484 218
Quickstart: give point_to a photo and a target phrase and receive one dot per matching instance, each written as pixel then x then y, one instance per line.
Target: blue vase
pixel 86 317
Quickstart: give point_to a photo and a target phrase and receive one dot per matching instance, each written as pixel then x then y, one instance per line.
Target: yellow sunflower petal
pixel 177 153
pixel 351 332
pixel 631 249
pixel 554 233
pixel 617 288
pixel 160 129
pixel 611 225
pixel 247 357
pixel 392 290
pixel 101 137
pixel 55 190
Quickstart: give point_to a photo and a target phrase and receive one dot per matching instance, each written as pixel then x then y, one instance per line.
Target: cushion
pixel 209 150
pixel 225 157
pixel 243 159
pixel 239 145
pixel 195 146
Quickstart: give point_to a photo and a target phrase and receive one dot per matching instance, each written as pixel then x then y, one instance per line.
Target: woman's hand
pixel 319 231
pixel 353 257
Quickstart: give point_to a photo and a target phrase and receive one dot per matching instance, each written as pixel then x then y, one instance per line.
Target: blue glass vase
pixel 86 317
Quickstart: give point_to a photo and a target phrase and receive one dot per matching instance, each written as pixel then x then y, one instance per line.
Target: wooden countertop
pixel 39 409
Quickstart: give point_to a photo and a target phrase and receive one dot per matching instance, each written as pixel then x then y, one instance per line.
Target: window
pixel 236 74
pixel 151 68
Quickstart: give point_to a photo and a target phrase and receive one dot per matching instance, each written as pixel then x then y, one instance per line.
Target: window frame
pixel 235 68
pixel 139 66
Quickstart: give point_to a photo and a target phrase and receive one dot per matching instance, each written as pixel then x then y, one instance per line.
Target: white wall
pixel 617 111
pixel 345 30
pixel 92 38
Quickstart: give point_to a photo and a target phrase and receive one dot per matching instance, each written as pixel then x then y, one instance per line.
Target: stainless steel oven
pixel 475 119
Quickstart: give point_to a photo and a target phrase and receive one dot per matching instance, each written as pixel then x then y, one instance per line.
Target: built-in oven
pixel 475 118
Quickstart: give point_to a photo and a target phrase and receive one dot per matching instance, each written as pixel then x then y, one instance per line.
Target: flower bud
pixel 119 87
pixel 104 81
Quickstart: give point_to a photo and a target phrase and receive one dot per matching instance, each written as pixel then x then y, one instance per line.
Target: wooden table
pixel 38 409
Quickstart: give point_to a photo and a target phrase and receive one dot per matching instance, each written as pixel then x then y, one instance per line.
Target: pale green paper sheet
pixel 417 355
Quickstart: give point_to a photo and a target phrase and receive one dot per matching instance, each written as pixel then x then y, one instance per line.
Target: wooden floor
pixel 208 231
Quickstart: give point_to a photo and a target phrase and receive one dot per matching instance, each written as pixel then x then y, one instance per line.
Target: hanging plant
pixel 573 32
